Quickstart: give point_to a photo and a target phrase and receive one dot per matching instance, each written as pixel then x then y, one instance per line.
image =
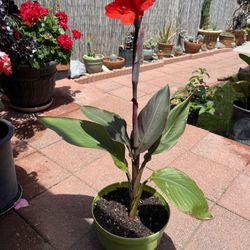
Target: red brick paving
pixel 60 180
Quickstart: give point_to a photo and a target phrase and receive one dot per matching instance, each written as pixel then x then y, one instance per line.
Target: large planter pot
pixel 227 40
pixel 193 117
pixel 127 54
pixel 10 191
pixel 239 128
pixel 117 64
pixel 30 89
pixel 114 242
pixel 148 54
pixel 166 48
pixel 239 37
pixel 192 48
pixel 93 64
pixel 210 37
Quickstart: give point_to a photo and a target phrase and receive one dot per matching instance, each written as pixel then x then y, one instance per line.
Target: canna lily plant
pixel 154 130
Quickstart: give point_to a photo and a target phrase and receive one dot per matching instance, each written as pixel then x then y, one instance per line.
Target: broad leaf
pixel 182 191
pixel 113 123
pixel 88 135
pixel 152 120
pixel 245 58
pixel 174 128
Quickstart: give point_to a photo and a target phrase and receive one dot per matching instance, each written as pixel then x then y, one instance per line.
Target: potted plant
pixel 148 49
pixel 93 62
pixel 154 130
pixel 227 38
pixel 166 36
pixel 35 39
pixel 192 45
pixel 114 62
pixel 178 51
pixel 201 100
pixel 10 191
pixel 239 123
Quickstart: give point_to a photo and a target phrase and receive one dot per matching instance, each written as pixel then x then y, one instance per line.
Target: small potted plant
pixel 201 100
pixel 166 36
pixel 126 50
pixel 227 38
pixel 114 62
pixel 192 45
pixel 239 123
pixel 148 49
pixel 36 41
pixel 93 62
pixel 154 130
pixel 10 191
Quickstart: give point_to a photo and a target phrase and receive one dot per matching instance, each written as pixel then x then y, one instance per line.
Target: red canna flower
pixel 76 34
pixel 128 10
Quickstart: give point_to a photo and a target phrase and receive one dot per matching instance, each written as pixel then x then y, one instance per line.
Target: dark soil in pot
pixel 111 212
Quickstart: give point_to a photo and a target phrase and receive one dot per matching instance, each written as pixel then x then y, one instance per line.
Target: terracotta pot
pixel 227 40
pixel 239 37
pixel 62 67
pixel 210 37
pixel 160 54
pixel 165 48
pixel 118 64
pixel 192 48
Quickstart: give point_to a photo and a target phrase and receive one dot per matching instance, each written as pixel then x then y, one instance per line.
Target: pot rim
pixel 119 58
pixel 97 57
pixel 26 66
pixel 10 132
pixel 210 31
pixel 239 107
pixel 124 184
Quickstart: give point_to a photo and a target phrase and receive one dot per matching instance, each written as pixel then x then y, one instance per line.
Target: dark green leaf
pixel 113 123
pixel 88 135
pixel 152 120
pixel 245 58
pixel 174 128
pixel 182 191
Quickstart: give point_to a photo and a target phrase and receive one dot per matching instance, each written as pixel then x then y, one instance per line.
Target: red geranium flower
pixel 76 34
pixel 5 64
pixel 62 19
pixel 65 42
pixel 32 12
pixel 128 10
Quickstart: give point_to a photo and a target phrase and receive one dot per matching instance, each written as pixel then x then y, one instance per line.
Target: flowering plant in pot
pixel 201 100
pixel 35 39
pixel 10 191
pixel 93 62
pixel 149 46
pixel 154 130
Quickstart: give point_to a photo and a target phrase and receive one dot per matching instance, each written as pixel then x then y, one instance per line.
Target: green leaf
pixel 182 191
pixel 88 135
pixel 245 58
pixel 174 128
pixel 152 120
pixel 113 123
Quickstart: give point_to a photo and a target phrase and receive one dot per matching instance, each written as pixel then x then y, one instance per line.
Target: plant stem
pixel 135 185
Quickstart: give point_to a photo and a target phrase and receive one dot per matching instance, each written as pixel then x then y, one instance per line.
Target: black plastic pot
pixel 193 117
pixel 239 128
pixel 10 191
pixel 27 87
pixel 127 54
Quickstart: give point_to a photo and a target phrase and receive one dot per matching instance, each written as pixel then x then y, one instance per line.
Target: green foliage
pixel 205 14
pixel 202 94
pixel 182 191
pixel 167 33
pixel 149 43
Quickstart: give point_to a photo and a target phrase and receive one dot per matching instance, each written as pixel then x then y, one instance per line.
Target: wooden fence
pixel 88 16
